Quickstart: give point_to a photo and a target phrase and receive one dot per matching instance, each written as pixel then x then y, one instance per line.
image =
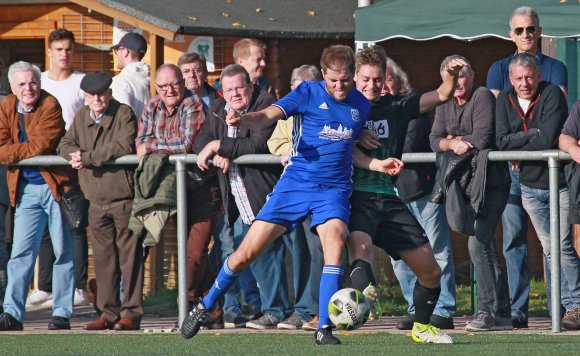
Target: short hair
pixel 525 11
pixel 373 56
pixel 305 72
pixel 235 69
pixel 337 57
pixel 242 47
pixel 60 34
pixel 192 57
pixel 524 59
pixel 402 77
pixel 173 67
pixel 466 69
pixel 23 67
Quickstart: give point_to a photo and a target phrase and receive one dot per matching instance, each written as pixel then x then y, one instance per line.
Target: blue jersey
pixel 323 133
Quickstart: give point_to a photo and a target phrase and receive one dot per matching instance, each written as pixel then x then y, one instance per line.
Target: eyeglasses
pixel 519 30
pixel 116 50
pixel 235 90
pixel 165 87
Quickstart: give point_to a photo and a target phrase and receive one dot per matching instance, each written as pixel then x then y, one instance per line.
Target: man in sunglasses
pixel 525 32
pixel 131 86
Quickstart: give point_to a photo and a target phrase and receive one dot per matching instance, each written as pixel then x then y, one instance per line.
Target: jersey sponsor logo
pixel 323 106
pixel 338 134
pixel 355 115
pixel 380 127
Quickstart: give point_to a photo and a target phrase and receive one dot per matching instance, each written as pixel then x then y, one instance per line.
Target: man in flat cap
pixel 104 130
pixel 131 86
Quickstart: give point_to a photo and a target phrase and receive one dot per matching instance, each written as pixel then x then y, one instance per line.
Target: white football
pixel 348 309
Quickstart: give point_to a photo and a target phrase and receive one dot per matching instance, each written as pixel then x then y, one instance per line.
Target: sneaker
pixel 267 321
pixel 293 322
pixel 372 295
pixel 197 317
pixel 428 334
pixel 38 297
pixel 311 325
pixel 482 321
pixel 503 323
pixel 323 336
pixel 80 297
pixel 234 321
pixel 9 323
pixel 406 323
pixel 571 320
pixel 59 323
pixel 441 322
pixel 519 323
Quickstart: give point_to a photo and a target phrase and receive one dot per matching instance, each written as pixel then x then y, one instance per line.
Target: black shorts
pixel 387 220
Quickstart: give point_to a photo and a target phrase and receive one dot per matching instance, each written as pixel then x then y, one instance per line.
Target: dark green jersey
pixel 389 119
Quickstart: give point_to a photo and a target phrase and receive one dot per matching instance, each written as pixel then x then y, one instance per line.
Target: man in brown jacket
pixel 31 124
pixel 102 131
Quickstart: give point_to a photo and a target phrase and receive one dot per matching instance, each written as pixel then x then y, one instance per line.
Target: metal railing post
pixel 180 171
pixel 553 165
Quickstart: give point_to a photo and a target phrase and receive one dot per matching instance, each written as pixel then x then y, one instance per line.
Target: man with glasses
pixel 525 32
pixel 31 124
pixel 131 86
pixel 244 189
pixel 101 131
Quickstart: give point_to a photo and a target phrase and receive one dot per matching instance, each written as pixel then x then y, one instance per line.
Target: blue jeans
pixel 537 204
pixel 304 247
pixel 270 272
pixel 35 208
pixel 229 238
pixel 514 223
pixel 490 273
pixel 432 218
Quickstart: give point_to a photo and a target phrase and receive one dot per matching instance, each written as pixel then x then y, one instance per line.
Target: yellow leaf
pixel 258 10
pixel 311 13
pixel 271 18
pixel 193 18
pixel 237 24
pixel 225 14
pixel 563 1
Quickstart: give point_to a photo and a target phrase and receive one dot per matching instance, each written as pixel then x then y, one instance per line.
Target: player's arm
pixel 255 120
pixel 390 166
pixel 432 99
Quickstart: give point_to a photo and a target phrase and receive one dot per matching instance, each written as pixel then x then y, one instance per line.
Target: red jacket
pixel 44 129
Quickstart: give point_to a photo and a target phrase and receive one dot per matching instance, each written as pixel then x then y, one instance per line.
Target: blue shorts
pixel 291 202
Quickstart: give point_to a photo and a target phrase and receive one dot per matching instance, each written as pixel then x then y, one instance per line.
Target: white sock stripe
pixel 227 269
pixel 333 270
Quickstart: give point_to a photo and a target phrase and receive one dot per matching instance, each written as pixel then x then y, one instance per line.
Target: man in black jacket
pixel 244 187
pixel 530 117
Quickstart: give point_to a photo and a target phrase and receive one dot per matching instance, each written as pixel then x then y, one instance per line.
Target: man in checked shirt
pixel 244 188
pixel 170 124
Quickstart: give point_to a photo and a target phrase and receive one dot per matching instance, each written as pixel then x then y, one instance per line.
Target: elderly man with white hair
pixel 31 124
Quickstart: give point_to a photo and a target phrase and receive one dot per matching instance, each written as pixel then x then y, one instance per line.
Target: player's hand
pixel 369 140
pixel 233 118
pixel 455 66
pixel 459 146
pixel 390 166
pixel 221 162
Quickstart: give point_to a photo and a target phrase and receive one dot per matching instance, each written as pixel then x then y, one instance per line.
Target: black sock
pixel 361 275
pixel 425 300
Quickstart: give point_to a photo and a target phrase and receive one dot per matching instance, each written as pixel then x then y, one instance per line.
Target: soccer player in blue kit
pixel 328 118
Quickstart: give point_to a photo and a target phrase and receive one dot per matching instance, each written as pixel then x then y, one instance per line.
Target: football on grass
pixel 348 309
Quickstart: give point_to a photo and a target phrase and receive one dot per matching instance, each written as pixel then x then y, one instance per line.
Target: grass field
pixel 282 344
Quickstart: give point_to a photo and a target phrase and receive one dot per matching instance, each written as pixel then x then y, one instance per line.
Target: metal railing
pixel 553 158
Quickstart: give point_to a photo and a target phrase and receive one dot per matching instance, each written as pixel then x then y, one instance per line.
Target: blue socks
pixel 330 282
pixel 225 279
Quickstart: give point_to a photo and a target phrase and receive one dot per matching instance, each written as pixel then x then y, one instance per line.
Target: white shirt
pixel 131 86
pixel 68 93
